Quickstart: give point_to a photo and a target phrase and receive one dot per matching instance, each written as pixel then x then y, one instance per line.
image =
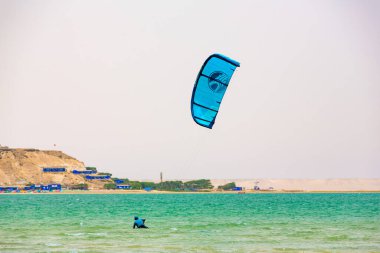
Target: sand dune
pixel 306 184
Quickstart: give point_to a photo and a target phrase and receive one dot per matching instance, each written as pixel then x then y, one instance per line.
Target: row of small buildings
pixel 89 174
pixel 30 188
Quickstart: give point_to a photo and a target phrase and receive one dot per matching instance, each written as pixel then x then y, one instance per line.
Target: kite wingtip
pixel 233 62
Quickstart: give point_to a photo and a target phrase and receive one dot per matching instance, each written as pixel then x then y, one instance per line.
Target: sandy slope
pixel 22 166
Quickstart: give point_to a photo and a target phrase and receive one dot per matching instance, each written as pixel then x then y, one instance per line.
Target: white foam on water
pixel 51 244
pixel 98 234
pixel 86 234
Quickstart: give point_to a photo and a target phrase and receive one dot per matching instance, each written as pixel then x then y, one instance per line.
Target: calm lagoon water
pixel 191 223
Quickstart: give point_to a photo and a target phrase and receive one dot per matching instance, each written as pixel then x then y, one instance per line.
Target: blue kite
pixel 210 86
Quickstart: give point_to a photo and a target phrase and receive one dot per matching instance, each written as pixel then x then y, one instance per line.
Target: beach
pixel 314 185
pixel 86 192
pixel 273 186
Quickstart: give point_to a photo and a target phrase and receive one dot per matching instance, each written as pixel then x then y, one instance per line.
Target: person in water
pixel 139 223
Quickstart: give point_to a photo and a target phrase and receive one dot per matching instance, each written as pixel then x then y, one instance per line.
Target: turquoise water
pixel 191 223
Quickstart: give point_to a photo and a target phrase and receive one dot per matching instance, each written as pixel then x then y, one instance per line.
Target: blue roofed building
pixel 102 177
pixel 53 169
pixel 126 187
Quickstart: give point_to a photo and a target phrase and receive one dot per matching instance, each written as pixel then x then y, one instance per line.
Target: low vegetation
pixel 79 187
pixel 104 174
pixel 110 186
pixel 194 185
pixel 227 187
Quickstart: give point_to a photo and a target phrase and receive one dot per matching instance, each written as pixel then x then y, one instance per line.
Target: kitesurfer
pixel 139 223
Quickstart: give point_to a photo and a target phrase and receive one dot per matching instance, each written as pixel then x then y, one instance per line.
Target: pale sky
pixel 110 83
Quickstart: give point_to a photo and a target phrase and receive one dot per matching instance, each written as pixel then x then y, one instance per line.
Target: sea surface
pixel 298 222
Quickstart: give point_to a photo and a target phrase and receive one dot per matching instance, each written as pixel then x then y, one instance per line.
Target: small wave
pixel 337 238
pixel 174 229
pixel 51 244
pixel 74 234
pixel 86 234
pixel 98 234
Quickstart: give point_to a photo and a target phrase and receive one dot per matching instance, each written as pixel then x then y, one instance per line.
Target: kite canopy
pixel 209 88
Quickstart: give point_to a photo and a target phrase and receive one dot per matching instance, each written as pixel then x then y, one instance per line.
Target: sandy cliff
pixel 22 166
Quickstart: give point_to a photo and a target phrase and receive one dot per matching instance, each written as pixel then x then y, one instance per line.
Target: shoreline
pixel 113 192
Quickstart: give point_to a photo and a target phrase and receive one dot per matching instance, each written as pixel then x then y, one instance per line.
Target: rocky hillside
pixel 19 167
